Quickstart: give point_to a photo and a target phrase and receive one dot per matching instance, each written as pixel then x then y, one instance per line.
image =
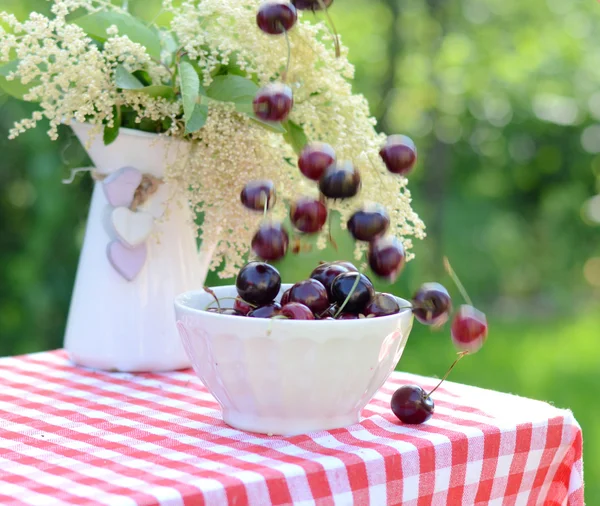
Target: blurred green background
pixel 503 100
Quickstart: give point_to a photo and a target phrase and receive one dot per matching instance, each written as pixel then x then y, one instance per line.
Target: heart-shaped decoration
pixel 120 186
pixel 133 228
pixel 128 262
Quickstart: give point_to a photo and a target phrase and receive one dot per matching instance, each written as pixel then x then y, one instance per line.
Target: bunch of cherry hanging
pixel 337 290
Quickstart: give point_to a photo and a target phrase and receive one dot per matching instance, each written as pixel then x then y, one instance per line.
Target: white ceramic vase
pixel 121 318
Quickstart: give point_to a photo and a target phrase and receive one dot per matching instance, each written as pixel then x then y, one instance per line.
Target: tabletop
pixel 70 435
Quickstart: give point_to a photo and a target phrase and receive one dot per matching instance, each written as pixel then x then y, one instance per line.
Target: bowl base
pixel 282 426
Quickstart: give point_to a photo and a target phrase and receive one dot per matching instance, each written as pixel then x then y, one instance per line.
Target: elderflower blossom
pixel 73 78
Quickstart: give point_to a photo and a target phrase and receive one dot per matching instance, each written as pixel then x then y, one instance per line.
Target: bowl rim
pixel 179 304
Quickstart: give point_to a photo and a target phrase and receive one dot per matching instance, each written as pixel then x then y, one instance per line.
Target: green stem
pixel 349 295
pixel 266 208
pixel 208 290
pixel 460 356
pixel 226 298
pixel 336 40
pixel 289 57
pixel 459 285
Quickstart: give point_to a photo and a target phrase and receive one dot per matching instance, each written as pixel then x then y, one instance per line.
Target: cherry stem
pixel 336 40
pixel 457 282
pixel 460 356
pixel 226 298
pixel 266 208
pixel 289 57
pixel 208 290
pixel 348 296
pixel 329 233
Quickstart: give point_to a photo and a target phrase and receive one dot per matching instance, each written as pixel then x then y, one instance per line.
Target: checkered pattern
pixel 74 436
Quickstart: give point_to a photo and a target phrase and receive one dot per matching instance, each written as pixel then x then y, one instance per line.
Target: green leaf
pixel 96 24
pixel 126 80
pixel 194 112
pixel 232 88
pixel 190 89
pixel 197 120
pixel 14 88
pixel 111 133
pixel 159 91
pixel 295 136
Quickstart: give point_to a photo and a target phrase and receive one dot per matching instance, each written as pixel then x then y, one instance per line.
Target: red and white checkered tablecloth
pixel 74 436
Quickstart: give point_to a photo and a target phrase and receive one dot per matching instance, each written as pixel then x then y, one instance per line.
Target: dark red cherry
pixel 315 158
pixel 297 311
pixel 469 329
pixel 383 304
pixel 432 304
pixel 412 405
pixel 273 102
pixel 258 283
pixel 399 154
pixel 386 258
pixel 348 316
pixel 311 5
pixel 369 223
pixel 348 265
pixel 308 215
pixel 326 273
pixel 276 16
pixel 241 306
pixel 312 294
pixel 363 294
pixel 271 241
pixel 267 311
pixel 285 297
pixel 340 181
pixel 256 193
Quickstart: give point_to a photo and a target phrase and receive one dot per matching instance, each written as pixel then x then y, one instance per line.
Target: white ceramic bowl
pixel 289 377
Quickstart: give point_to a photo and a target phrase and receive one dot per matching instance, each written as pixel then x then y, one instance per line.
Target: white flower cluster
pixel 74 78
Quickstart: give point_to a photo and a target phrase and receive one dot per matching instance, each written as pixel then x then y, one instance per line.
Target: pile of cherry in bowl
pixel 334 291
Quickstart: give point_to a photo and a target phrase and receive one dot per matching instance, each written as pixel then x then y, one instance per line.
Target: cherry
pixel 386 257
pixel 383 304
pixel 412 405
pixel 273 102
pixel 348 316
pixel 340 181
pixel 267 311
pixel 270 241
pixel 469 329
pixel 258 283
pixel 326 273
pixel 276 16
pixel 312 294
pixel 297 311
pixel 399 154
pixel 348 265
pixel 357 300
pixel 308 215
pixel 432 304
pixel 369 223
pixel 285 298
pixel 241 306
pixel 311 5
pixel 315 158
pixel 257 193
